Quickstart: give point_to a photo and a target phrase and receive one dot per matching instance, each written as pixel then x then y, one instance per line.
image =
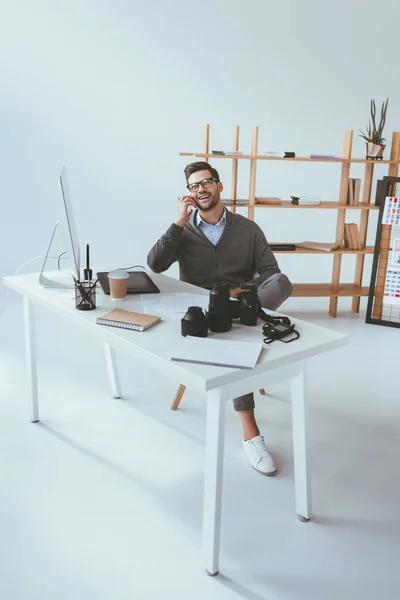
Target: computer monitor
pixel 66 225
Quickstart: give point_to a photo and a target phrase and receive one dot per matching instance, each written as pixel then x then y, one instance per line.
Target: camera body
pixel 249 307
pixel 223 309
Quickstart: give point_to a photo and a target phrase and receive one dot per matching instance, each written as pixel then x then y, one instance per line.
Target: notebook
pixel 223 353
pixel 127 319
pixel 324 247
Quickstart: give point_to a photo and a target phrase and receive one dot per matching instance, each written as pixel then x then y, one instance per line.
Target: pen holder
pixel 85 295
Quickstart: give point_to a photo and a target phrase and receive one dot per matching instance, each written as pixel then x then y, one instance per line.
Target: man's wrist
pixel 180 223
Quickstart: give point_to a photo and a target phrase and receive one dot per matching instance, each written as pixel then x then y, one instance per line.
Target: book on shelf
pixel 227 152
pixel 326 157
pixel 357 236
pixel 352 239
pixel 272 201
pixel 321 156
pixel 350 192
pixel 324 247
pixel 357 189
pixel 127 319
pixel 238 201
pixel 346 236
pixel 354 232
pixel 353 194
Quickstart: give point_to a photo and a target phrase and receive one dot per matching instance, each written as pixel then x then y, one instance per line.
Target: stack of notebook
pixel 127 319
pixel 353 196
pixel 352 238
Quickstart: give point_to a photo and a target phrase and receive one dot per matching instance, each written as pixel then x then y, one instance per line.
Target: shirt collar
pixel 200 221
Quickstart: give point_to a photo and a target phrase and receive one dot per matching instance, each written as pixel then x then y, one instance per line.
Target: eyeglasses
pixel 205 183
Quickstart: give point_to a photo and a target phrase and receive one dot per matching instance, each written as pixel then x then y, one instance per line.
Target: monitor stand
pixel 63 282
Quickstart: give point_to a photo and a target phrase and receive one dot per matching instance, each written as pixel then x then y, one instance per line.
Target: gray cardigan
pixel 241 253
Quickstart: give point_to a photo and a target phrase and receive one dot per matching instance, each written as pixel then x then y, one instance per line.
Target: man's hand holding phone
pixel 185 207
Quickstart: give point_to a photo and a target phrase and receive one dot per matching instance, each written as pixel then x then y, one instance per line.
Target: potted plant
pixel 373 135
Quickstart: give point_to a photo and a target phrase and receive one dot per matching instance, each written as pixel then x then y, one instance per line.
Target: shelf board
pixel 365 250
pixel 324 205
pixel 296 159
pixel 315 290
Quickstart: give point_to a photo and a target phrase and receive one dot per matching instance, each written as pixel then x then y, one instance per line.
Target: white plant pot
pixel 375 151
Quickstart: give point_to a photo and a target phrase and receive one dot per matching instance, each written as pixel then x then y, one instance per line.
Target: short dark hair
pixel 200 166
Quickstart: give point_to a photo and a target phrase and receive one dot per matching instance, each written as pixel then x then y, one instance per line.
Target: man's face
pixel 206 197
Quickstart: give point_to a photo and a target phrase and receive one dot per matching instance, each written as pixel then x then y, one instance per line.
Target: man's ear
pixel 220 186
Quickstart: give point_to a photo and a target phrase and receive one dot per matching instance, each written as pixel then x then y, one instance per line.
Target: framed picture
pixel 384 292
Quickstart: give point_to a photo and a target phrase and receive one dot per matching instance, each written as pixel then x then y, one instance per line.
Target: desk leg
pixel 214 458
pixel 31 360
pixel 112 371
pixel 300 450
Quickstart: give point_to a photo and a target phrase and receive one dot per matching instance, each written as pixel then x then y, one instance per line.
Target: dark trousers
pixel 272 293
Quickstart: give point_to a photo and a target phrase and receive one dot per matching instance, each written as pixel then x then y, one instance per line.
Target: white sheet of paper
pixel 171 305
pixel 223 353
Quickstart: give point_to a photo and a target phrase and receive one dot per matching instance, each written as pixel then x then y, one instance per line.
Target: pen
pixel 87 273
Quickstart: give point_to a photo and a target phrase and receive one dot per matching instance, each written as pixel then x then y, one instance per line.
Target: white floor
pixel 102 499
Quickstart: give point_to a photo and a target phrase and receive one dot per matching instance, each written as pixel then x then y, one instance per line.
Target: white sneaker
pixel 258 455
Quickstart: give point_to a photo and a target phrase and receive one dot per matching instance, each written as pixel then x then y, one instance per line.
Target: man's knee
pixel 285 285
pixel 274 291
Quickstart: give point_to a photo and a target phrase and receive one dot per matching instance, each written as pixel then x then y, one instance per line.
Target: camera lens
pixel 219 314
pixel 194 322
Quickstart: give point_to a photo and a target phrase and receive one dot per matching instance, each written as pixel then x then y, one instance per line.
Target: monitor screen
pixel 65 226
pixel 66 223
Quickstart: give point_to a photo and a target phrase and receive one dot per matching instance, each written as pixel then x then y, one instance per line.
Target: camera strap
pixel 274 328
pixel 277 328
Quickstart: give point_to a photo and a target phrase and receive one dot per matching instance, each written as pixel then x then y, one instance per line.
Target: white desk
pixel 219 384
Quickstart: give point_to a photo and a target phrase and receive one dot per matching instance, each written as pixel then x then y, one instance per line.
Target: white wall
pixel 114 90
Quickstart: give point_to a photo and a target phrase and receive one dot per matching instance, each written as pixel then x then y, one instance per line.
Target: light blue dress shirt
pixel 212 232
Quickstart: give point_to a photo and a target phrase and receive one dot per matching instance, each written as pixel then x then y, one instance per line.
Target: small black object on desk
pixel 289 155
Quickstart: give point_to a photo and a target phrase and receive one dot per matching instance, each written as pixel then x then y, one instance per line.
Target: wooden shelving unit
pixel 296 159
pixel 323 205
pixel 335 288
pixel 365 250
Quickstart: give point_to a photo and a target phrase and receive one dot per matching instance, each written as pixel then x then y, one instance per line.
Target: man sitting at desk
pixel 213 245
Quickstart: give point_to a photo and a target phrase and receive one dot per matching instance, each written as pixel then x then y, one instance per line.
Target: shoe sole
pixel 267 474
